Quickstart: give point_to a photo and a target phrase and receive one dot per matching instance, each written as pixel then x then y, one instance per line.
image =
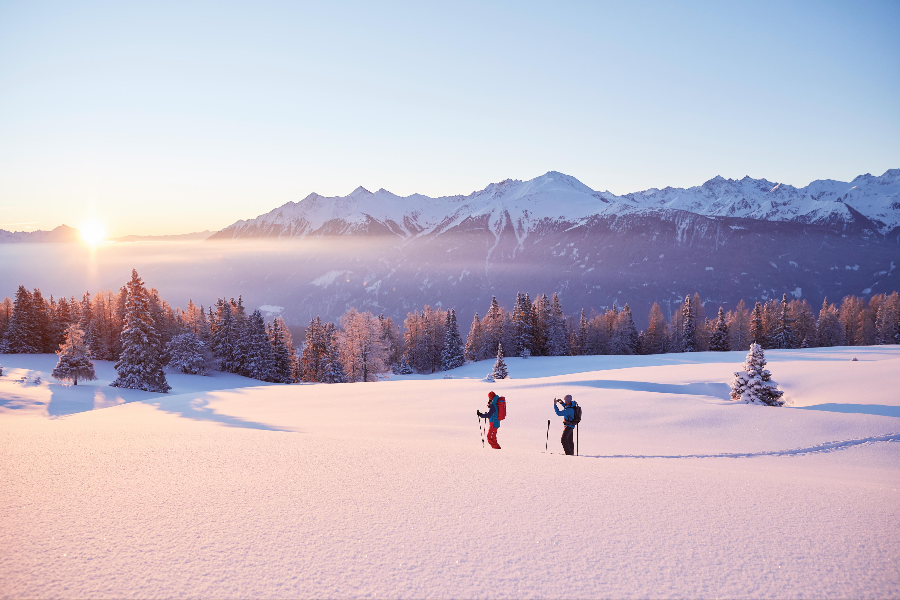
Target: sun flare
pixel 92 232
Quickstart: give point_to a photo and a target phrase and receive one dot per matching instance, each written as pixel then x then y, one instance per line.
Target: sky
pixel 164 118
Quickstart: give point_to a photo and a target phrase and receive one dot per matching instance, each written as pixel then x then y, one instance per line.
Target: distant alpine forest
pixel 143 334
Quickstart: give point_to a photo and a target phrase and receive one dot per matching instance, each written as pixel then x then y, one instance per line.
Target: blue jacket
pixel 568 413
pixel 493 414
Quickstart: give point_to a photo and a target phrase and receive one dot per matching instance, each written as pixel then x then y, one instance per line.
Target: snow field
pixel 371 490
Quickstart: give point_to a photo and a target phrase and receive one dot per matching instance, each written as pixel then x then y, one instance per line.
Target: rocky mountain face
pixel 726 239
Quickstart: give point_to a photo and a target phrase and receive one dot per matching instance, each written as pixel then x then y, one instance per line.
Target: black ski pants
pixel 568 441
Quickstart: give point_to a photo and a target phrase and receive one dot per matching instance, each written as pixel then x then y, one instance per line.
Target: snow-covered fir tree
pixel 689 327
pixel 452 356
pixel 23 335
pixel 260 360
pixel 139 366
pixel 887 320
pixel 475 341
pixel 557 340
pixel 74 358
pixel 332 367
pixel 404 368
pixel 499 371
pixel 757 326
pixel 492 328
pixel 624 340
pixel 282 351
pixel 783 336
pixel 187 353
pixel 754 384
pixel 718 340
pixel 523 325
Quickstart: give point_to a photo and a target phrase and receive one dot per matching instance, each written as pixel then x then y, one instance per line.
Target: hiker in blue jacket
pixel 493 416
pixel 569 422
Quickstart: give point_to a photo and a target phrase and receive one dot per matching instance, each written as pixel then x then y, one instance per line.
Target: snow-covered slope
pixel 383 489
pixel 867 201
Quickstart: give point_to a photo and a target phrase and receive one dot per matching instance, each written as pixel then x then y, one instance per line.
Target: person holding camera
pixel 571 413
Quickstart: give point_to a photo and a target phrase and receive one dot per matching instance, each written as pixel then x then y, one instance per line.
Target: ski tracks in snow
pixel 820 448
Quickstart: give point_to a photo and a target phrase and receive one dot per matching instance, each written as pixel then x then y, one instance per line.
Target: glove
pixel 480 416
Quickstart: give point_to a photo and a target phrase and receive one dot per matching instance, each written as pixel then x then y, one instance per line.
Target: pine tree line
pixel 224 337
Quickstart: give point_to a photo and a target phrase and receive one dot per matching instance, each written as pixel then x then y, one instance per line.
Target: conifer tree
pixel 718 341
pixel 739 327
pixel 757 327
pixel 784 337
pixel 624 340
pixel 405 369
pixel 45 340
pixel 557 340
pixel 260 358
pixel 187 353
pixel 753 384
pixel 6 310
pixel 139 366
pixel 282 351
pixel 492 328
pixel 656 334
pixel 313 356
pixel 23 335
pixel 523 325
pixel 887 320
pixel 499 371
pixel 540 311
pixel 333 370
pixel 475 341
pixel 689 324
pixel 74 358
pixel 452 356
pixel 829 330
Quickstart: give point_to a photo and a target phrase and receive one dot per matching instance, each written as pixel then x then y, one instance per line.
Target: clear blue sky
pixel 165 117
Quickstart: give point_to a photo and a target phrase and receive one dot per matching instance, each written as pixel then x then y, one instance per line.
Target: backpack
pixel 501 407
pixel 577 418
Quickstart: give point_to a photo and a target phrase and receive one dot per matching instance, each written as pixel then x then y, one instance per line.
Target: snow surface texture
pixel 558 197
pixel 226 488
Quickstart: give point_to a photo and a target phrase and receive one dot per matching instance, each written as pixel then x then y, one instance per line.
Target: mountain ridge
pixel 562 197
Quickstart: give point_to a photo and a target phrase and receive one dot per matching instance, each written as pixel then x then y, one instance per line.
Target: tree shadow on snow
pixel 65 400
pixel 197 409
pixel 720 391
pixel 879 410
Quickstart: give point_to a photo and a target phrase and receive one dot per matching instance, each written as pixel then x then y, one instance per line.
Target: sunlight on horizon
pixel 92 232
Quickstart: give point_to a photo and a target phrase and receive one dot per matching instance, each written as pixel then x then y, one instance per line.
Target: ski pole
pixel 547 443
pixel 481 432
pixel 576 438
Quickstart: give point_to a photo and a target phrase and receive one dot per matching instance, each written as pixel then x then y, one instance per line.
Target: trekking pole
pixel 481 432
pixel 547 443
pixel 576 438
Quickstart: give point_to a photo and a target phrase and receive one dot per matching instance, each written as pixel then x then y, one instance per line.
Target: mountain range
pixel 725 239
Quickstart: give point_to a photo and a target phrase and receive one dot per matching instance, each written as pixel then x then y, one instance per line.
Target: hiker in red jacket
pixel 493 415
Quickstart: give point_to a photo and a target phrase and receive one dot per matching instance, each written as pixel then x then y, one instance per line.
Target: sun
pixel 92 232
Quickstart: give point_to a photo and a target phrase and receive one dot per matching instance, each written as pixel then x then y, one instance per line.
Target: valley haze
pixel 726 239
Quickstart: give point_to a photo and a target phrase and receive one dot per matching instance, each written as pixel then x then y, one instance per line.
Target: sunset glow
pixel 92 232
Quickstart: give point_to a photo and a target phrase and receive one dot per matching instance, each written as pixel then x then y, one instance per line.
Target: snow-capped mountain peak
pixel 558 197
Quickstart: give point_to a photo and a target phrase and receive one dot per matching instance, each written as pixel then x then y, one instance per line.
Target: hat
pixel 491 395
pixel 568 399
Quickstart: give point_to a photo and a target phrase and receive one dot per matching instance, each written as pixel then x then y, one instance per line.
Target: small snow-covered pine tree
pixel 189 354
pixel 499 371
pixel 754 384
pixel 718 340
pixel 74 358
pixel 405 369
pixel 452 356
